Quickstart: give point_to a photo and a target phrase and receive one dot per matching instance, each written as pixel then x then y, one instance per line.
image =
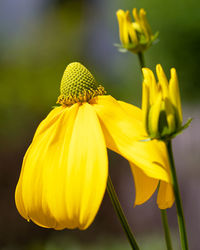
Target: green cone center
pixel 78 85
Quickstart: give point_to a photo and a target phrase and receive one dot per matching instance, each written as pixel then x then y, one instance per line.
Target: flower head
pixel 65 169
pixel 135 36
pixel 161 104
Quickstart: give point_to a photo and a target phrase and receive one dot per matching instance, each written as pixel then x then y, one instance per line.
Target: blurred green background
pixel 38 38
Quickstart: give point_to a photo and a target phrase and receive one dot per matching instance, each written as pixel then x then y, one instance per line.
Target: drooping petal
pixel 50 119
pixel 64 171
pixel 123 135
pixel 42 185
pixel 18 196
pixel 130 109
pixel 87 167
pixel 144 185
pixel 165 198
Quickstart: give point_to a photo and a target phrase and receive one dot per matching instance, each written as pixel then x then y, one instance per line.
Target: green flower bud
pixel 161 104
pixel 135 36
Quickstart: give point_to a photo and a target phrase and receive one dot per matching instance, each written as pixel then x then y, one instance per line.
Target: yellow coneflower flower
pixel 65 169
pixel 135 36
pixel 161 104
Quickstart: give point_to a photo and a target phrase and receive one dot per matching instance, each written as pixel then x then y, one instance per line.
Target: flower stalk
pixel 163 211
pixel 120 214
pixel 181 220
pixel 166 229
pixel 141 59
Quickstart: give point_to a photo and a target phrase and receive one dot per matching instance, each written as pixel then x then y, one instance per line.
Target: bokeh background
pixel 38 38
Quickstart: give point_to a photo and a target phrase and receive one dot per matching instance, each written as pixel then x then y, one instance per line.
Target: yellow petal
pixel 64 172
pixel 87 167
pixel 136 16
pixel 123 29
pixel 175 94
pixel 144 185
pixel 131 109
pixel 49 120
pixel 170 114
pixel 42 184
pixel 145 25
pixel 153 118
pixel 145 104
pixel 162 80
pixel 150 81
pixel 123 135
pixel 165 198
pixel 132 33
pixel 130 29
pixel 18 197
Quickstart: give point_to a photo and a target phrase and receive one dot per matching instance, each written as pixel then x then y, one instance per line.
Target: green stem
pixel 141 59
pixel 163 212
pixel 181 221
pixel 166 229
pixel 119 212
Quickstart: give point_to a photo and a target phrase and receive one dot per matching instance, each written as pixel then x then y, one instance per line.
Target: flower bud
pixel 134 36
pixel 161 104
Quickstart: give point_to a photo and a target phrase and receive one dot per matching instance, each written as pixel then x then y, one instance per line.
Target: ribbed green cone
pixel 78 85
